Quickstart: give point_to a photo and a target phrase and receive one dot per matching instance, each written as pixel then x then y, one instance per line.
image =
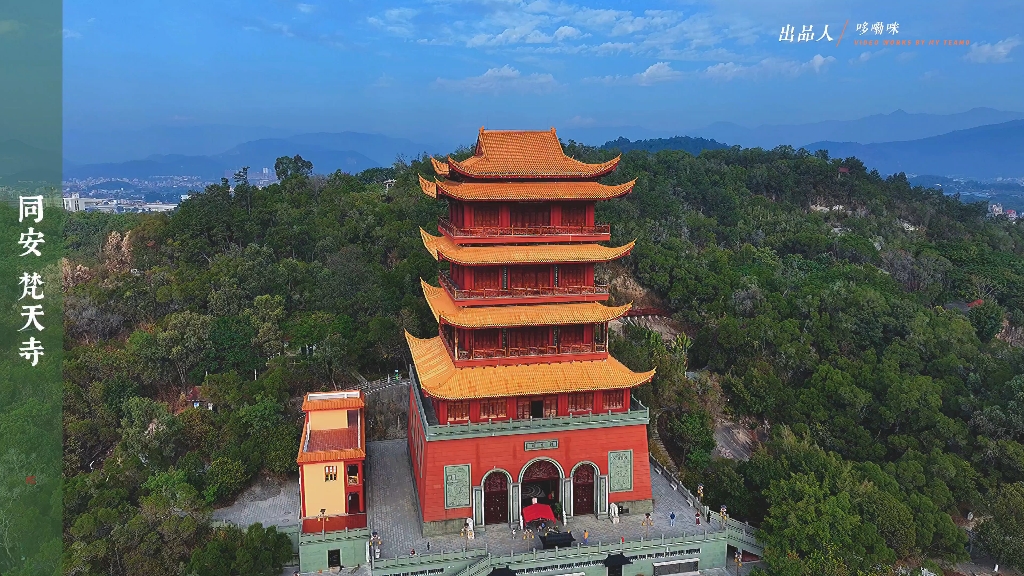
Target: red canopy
pixel 538 512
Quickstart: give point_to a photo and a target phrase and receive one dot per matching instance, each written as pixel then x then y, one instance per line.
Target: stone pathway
pixel 393 511
pixel 269 501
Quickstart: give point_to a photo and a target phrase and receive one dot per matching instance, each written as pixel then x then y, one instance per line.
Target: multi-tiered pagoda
pixel 516 400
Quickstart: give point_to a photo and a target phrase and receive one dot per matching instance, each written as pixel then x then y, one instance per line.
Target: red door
pixel 583 490
pixel 496 498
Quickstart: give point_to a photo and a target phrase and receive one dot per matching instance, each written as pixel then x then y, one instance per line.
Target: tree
pixel 286 167
pixel 224 478
pixel 987 319
pixel 1002 534
pixel 258 551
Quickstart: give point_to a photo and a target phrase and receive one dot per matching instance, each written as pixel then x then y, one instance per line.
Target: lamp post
pixel 323 522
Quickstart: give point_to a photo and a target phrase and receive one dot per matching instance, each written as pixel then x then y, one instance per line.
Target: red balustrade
pixel 485 231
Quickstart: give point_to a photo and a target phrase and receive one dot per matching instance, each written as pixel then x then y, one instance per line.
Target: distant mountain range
pixel 991 151
pixel 897 126
pixel 979 143
pixel 327 151
pixel 22 162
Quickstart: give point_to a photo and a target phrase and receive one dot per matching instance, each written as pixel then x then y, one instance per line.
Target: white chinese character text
pixel 31 284
pixel 825 35
pixel 863 28
pixel 30 241
pixel 878 27
pixel 893 28
pixel 30 206
pixel 787 33
pixel 32 312
pixel 806 35
pixel 32 350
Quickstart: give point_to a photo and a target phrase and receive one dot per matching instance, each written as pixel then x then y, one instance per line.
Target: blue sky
pixel 414 69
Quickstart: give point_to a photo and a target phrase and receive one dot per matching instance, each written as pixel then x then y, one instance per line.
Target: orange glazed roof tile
pixel 442 305
pixel 440 167
pixel 331 455
pixel 344 400
pixel 443 247
pixel 522 154
pixel 441 379
pixel 429 188
pixel 558 190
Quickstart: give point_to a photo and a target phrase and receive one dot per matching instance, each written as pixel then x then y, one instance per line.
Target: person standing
pixel 697 517
pixel 672 519
pixel 586 535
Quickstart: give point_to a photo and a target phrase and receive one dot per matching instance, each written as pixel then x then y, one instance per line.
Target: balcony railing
pixel 478 231
pixel 513 352
pixel 637 414
pixel 461 294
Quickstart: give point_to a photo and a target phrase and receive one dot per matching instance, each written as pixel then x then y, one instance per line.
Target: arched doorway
pixel 496 497
pixel 540 480
pixel 583 489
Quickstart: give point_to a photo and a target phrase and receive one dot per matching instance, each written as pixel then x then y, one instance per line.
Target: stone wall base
pixel 439 527
pixel 635 506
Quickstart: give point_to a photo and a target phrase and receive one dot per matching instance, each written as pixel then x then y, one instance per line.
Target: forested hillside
pixel 813 298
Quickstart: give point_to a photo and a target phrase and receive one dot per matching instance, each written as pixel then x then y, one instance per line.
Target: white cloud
pixel 384 81
pixel 71 34
pixel 654 74
pixel 397 21
pixel 504 79
pixel 988 53
pixel 581 121
pixel 767 68
pixel 867 55
pixel 567 33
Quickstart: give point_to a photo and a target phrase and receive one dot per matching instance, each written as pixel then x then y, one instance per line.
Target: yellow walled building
pixel 331 461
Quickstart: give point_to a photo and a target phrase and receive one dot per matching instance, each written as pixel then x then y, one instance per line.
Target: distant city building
pixel 995 209
pixel 75 203
pixel 1011 214
pixel 388 184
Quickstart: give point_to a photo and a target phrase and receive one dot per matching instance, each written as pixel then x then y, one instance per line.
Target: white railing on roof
pixel 334 395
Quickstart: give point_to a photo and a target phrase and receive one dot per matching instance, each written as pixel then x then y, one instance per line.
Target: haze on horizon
pixel 439 70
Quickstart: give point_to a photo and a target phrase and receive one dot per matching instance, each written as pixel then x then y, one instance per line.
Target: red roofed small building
pixel 331 459
pixel 516 399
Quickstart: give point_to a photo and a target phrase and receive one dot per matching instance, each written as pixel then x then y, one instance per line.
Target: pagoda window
pixel 572 275
pixel 458 411
pixel 486 340
pixel 529 340
pixel 486 215
pixel 456 213
pixel 613 399
pixel 527 215
pixel 570 336
pixel 330 473
pixel 546 407
pixel 488 277
pixel 581 401
pixel 529 277
pixel 493 408
pixel 574 215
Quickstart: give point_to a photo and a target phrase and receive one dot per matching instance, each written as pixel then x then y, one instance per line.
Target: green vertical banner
pixel 31 311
